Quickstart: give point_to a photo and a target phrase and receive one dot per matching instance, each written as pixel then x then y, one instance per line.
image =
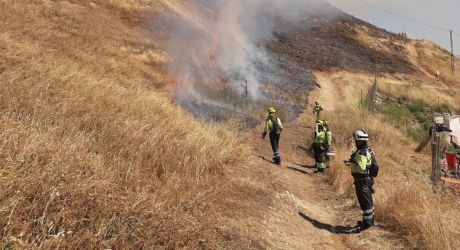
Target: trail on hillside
pixel 304 212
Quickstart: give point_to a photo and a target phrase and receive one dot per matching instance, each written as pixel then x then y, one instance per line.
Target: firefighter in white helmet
pixel 364 169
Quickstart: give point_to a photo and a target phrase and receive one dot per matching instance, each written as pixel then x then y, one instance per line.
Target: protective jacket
pixel 320 138
pixel 317 108
pixel 273 125
pixel 364 163
pixel 323 138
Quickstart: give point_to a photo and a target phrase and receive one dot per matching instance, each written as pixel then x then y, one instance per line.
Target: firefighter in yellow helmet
pixel 364 169
pixel 317 109
pixel 320 146
pixel 437 75
pixel 273 128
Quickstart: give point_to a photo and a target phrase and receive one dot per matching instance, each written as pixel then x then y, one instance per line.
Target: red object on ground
pixel 451 160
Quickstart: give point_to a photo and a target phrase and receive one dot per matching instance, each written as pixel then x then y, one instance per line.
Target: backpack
pixel 276 126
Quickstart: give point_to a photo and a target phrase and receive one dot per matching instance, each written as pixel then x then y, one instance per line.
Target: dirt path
pixel 304 212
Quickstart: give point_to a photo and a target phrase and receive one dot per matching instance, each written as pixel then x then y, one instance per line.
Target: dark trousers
pixel 363 187
pixel 320 156
pixel 274 141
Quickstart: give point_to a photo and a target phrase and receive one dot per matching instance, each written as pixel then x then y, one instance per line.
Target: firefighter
pixel 437 75
pixel 328 140
pixel 273 127
pixel 364 169
pixel 320 146
pixel 328 134
pixel 317 109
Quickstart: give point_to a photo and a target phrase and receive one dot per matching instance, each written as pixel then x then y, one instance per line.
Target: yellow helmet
pixel 319 122
pixel 271 110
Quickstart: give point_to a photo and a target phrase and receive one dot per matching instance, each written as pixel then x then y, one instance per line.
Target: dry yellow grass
pixel 405 199
pixel 432 58
pixel 426 57
pixel 93 153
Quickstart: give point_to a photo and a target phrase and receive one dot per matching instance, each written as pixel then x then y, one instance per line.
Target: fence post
pixel 435 171
pixel 374 94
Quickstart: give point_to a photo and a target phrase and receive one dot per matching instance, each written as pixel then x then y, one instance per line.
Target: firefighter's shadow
pixel 330 228
pixel 305 166
pixel 267 160
pixel 299 170
pixel 307 151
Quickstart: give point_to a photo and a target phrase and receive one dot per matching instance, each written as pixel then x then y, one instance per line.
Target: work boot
pixel 319 170
pixel 361 226
pixel 277 160
pixel 364 225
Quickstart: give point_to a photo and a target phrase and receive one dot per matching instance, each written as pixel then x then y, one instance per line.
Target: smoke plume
pixel 217 48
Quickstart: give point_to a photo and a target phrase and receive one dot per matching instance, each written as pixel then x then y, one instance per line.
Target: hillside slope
pixel 95 152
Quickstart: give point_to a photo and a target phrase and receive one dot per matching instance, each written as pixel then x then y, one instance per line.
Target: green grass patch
pixel 413 118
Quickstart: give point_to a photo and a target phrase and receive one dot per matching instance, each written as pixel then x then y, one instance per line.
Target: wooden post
pixel 452 57
pixel 246 93
pixel 374 94
pixel 435 165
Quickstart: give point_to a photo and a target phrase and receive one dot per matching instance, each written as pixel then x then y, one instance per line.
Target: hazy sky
pixel 441 13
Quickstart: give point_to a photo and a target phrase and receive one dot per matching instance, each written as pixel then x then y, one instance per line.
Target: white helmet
pixel 361 135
